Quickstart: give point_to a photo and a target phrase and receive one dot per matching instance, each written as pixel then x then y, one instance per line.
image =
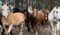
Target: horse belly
pixel 18 19
pixel 18 22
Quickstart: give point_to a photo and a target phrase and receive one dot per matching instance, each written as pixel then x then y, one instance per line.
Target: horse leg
pixel 42 23
pixel 57 27
pixel 31 26
pixel 4 27
pixel 36 32
pixel 55 30
pixel 21 30
pixel 10 28
pixel 4 30
pixel 1 30
pixel 52 27
pixel 27 25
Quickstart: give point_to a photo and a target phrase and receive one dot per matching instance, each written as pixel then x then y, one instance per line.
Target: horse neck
pixel 10 13
pixel 34 13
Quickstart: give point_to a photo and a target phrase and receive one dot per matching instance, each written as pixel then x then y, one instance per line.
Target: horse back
pixel 15 18
pixel 40 16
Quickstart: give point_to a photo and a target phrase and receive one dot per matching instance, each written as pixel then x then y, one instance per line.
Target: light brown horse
pixel 13 19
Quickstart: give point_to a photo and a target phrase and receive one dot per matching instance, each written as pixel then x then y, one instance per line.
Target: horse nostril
pixel 56 11
pixel 59 19
pixel 54 17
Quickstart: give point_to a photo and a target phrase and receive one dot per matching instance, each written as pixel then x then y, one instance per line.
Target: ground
pixel 45 31
pixel 41 31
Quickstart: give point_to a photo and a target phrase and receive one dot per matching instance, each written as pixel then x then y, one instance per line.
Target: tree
pixel 17 3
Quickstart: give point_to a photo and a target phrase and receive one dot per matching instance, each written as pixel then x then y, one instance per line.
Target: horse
pixel 1 25
pixel 12 19
pixel 30 22
pixel 40 17
pixel 54 18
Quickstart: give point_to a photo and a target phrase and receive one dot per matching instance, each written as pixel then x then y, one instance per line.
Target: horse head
pixel 5 10
pixel 54 15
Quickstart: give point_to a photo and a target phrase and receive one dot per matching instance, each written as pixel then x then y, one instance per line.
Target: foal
pixel 13 19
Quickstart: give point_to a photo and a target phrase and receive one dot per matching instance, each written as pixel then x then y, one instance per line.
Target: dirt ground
pixel 41 31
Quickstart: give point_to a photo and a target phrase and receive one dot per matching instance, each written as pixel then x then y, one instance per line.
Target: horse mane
pixel 0 18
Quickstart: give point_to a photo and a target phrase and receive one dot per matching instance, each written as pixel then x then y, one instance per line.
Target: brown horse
pixel 13 19
pixel 41 16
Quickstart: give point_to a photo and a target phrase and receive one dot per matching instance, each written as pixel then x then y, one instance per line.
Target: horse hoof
pixel 26 28
pixel 31 30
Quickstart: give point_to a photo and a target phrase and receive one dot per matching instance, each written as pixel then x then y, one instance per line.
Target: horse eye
pixel 53 11
pixel 2 9
pixel 56 11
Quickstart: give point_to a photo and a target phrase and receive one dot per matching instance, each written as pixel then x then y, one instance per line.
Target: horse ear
pixel 56 7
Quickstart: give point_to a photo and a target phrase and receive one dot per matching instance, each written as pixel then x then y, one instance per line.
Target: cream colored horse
pixel 13 19
pixel 54 18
